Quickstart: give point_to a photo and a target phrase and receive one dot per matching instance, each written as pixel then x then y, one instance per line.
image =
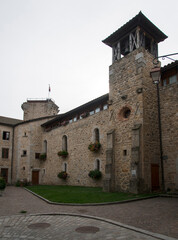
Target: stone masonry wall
pixel 80 159
pixel 169 114
pixel 30 137
pixel 150 137
pixel 5 163
pixel 36 109
pixel 129 80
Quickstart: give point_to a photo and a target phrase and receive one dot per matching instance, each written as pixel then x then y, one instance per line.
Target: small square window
pixel 70 121
pixel 75 119
pixel 6 135
pixel 97 110
pixel 172 79
pixel 91 113
pixel 37 155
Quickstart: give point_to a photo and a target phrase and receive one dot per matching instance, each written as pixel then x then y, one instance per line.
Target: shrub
pixel 63 153
pixel 2 183
pixel 43 156
pixel 95 174
pixel 94 147
pixel 62 175
pixel 22 183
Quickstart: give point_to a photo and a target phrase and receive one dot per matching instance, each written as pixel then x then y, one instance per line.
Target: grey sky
pixel 58 42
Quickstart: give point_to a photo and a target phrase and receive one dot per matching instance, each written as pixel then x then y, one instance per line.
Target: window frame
pixel 5 153
pixel 6 135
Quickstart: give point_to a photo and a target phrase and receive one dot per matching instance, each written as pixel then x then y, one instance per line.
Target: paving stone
pixel 158 215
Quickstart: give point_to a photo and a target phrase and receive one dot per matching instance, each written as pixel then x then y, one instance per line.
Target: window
pixel 124 113
pixel 5 152
pixel 172 79
pixel 70 121
pixel 6 135
pixel 105 107
pixel 124 152
pixel 24 153
pixel 45 146
pixel 65 167
pixel 64 143
pixel 97 110
pixel 97 164
pixel 164 82
pixel 25 134
pixel 96 135
pixel 37 155
pixel 75 119
pixel 92 112
pixel 169 80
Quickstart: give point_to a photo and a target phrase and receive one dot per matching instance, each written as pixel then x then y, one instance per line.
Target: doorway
pixel 35 177
pixel 155 177
pixel 4 174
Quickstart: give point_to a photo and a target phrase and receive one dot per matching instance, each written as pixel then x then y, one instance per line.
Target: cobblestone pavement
pixel 158 215
pixel 64 227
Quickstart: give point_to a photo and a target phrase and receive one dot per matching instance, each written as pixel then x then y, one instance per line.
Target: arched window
pixel 64 143
pixel 96 135
pixel 45 146
pixel 97 164
pixel 65 167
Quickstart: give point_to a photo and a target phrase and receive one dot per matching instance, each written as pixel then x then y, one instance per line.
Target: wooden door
pixel 155 177
pixel 4 174
pixel 35 177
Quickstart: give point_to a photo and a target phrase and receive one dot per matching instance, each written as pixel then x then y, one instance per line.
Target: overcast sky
pixel 59 42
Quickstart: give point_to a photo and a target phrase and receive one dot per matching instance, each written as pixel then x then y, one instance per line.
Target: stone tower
pixel 39 108
pixel 133 141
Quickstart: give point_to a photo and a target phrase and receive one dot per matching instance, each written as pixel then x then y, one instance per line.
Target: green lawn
pixel 75 194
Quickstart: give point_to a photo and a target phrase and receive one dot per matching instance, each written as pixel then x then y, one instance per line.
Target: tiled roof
pixel 138 21
pixel 170 66
pixel 9 121
pixel 83 108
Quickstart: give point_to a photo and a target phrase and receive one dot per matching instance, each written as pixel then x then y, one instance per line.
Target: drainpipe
pixel 12 157
pixel 160 139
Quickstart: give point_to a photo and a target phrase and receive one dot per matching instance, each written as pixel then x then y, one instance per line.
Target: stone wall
pixel 80 159
pixel 131 89
pixel 39 108
pixel 169 114
pixel 30 136
pixel 5 163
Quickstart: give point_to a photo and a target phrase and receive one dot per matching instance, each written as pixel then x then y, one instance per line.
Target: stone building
pixel 125 122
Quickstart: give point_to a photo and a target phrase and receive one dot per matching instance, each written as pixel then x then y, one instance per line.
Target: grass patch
pixel 75 194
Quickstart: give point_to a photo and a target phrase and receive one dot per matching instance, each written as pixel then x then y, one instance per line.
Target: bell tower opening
pixel 138 32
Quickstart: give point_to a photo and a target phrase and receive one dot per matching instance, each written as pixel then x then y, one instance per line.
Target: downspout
pixel 160 139
pixel 12 157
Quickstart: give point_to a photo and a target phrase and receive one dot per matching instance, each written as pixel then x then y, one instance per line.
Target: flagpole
pixel 49 90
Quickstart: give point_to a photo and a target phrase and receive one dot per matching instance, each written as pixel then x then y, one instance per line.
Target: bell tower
pixel 133 138
pixel 138 32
